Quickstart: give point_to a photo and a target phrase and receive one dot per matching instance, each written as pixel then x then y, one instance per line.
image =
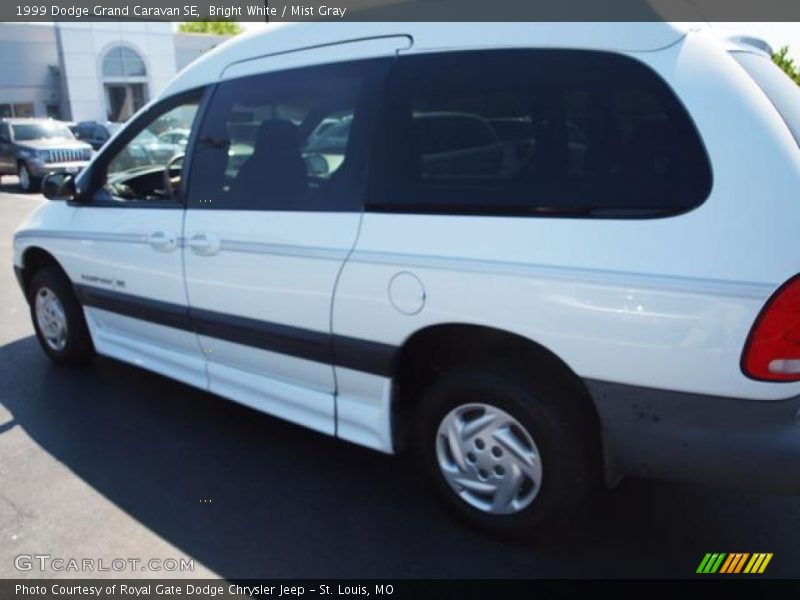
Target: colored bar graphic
pixel 741 562
pixel 765 563
pixel 703 563
pixel 711 563
pixel 733 563
pixel 749 568
pixel 717 564
pixel 731 560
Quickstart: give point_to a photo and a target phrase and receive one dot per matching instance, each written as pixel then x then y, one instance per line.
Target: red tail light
pixel 772 351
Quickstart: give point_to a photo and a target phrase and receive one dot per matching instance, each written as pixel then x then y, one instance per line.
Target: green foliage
pixel 785 62
pixel 212 27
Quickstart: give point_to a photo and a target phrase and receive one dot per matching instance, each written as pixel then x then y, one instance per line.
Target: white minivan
pixel 538 255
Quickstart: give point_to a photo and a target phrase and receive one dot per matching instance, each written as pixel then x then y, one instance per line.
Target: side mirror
pixel 4 139
pixel 58 186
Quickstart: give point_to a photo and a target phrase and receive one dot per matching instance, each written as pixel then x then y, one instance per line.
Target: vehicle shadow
pixel 287 502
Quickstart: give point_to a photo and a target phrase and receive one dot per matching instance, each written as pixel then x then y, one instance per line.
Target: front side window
pixel 148 167
pixel 536 132
pixel 290 140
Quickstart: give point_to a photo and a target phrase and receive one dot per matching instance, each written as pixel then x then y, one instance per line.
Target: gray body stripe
pixel 284 250
pixel 736 289
pixel 81 236
pixel 641 281
pixel 227 245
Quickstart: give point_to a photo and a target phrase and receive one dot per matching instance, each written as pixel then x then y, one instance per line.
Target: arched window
pixel 123 62
pixel 125 82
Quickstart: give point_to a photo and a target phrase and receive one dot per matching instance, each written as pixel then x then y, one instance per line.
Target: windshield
pixel 779 88
pixel 24 132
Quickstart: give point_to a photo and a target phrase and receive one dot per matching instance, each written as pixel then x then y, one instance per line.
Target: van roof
pixel 279 38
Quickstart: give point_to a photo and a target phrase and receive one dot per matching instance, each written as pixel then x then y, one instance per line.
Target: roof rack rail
pixel 751 42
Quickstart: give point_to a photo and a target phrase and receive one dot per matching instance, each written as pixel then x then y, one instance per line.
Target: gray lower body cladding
pixel 747 444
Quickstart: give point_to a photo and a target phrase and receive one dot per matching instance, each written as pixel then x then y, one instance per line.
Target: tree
pixel 785 62
pixel 211 27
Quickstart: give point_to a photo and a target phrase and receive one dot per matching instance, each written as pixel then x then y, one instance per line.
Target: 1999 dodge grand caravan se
pixel 535 255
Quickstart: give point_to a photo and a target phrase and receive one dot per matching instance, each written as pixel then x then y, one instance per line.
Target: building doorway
pixel 123 100
pixel 125 83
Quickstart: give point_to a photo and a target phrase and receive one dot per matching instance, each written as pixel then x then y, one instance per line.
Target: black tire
pixel 33 182
pixel 78 348
pixel 562 435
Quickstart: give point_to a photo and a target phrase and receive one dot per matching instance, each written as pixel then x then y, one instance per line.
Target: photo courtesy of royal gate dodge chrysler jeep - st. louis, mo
pixel 538 258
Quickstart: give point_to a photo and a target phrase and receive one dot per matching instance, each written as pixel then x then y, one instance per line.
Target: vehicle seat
pixel 276 170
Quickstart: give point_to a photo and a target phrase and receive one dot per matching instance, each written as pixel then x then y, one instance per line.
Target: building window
pixel 53 111
pixel 123 62
pixel 21 109
pixel 125 82
pixel 24 109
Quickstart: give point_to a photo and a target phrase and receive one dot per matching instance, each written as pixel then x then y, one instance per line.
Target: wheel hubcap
pixel 489 459
pixel 51 318
pixel 24 178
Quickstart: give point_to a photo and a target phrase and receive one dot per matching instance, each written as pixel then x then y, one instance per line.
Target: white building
pixel 90 71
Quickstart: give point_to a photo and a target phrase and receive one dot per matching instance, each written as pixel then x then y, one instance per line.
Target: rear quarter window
pixel 536 132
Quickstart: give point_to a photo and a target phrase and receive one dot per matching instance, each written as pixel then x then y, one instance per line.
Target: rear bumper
pixel 746 444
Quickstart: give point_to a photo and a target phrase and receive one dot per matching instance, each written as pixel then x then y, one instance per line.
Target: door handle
pixel 204 244
pixel 163 241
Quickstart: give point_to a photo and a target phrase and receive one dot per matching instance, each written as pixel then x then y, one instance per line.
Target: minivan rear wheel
pixel 503 450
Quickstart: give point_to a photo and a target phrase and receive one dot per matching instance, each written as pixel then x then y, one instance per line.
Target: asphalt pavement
pixel 110 461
